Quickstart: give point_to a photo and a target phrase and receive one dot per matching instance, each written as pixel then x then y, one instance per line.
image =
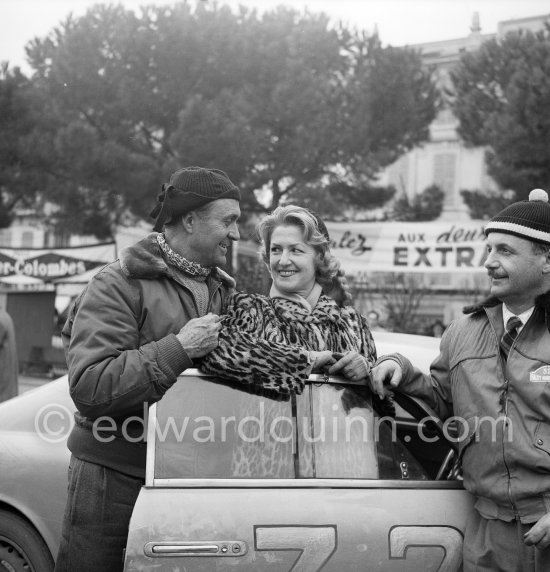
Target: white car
pixel 246 482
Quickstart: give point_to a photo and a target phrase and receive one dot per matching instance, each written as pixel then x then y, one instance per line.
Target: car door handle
pixel 200 548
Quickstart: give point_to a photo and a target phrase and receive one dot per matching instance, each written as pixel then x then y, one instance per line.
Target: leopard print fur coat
pixel 264 342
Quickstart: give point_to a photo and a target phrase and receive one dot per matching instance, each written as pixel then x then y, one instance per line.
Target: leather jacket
pixel 123 354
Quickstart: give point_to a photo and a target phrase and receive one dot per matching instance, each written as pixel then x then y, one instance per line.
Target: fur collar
pixel 144 260
pixel 542 301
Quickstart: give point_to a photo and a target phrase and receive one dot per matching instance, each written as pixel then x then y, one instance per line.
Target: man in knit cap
pixel 140 322
pixel 493 374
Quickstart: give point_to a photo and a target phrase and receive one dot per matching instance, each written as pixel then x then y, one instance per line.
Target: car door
pixel 248 482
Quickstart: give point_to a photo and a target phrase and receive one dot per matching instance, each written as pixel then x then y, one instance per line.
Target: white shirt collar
pixel 524 316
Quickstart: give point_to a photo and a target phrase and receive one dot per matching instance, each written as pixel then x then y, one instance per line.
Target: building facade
pixel 444 160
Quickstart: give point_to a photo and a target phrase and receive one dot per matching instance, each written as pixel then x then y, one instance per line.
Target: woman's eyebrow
pixel 293 244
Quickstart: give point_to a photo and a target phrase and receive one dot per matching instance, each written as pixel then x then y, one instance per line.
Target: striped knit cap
pixel 191 188
pixel 526 219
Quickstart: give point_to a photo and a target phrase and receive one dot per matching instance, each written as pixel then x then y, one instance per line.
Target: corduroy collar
pixel 542 301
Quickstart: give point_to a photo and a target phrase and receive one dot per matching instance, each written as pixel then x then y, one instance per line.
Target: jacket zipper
pixel 506 420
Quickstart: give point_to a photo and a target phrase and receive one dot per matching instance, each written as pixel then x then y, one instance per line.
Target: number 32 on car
pixel 317 544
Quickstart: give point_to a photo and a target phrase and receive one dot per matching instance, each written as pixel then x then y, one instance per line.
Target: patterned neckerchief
pixel 177 260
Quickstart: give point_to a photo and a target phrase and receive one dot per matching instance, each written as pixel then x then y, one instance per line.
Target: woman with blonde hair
pixel 305 324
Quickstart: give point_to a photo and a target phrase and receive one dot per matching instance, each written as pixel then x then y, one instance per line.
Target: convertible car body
pixel 325 480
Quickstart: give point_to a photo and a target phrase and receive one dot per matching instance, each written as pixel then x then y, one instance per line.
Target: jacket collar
pixel 325 309
pixel 144 260
pixel 308 303
pixel 542 302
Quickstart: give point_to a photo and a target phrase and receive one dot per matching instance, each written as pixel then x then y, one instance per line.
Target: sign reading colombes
pixel 53 263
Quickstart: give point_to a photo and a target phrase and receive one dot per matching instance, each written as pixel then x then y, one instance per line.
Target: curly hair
pixel 315 234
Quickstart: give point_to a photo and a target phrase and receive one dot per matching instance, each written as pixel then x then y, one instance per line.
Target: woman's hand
pixel 352 366
pixel 320 360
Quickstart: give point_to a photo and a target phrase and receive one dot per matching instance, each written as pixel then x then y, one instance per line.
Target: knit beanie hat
pixel 191 188
pixel 526 219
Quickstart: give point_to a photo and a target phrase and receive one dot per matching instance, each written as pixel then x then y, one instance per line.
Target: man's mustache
pixel 496 275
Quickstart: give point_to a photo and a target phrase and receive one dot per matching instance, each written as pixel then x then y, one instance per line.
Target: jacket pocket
pixel 542 437
pixel 467 433
pixel 541 448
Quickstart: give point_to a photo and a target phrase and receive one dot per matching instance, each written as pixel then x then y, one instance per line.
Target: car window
pixel 208 429
pixel 353 441
pixel 205 428
pixel 342 428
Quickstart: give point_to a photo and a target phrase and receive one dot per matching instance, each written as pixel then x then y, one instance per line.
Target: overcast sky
pixel 399 22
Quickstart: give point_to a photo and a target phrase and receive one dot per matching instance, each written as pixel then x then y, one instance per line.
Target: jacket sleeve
pixel 109 372
pixel 434 388
pixel 244 356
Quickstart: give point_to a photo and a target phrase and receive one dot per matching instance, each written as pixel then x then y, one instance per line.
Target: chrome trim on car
pixel 151 449
pixel 231 548
pixel 303 484
pixel 313 378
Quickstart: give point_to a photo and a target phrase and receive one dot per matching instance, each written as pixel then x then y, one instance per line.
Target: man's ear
pixel 188 222
pixel 546 266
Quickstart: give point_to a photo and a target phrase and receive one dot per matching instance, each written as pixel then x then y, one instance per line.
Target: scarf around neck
pixel 181 263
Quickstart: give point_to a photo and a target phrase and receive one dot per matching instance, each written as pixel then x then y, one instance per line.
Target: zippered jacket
pixel 502 408
pixel 123 354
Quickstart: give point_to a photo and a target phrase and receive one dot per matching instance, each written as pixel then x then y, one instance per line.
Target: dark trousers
pixel 497 546
pixel 97 515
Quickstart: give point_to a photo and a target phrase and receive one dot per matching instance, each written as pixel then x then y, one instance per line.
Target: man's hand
pixel 200 335
pixel 386 373
pixel 352 366
pixel 539 535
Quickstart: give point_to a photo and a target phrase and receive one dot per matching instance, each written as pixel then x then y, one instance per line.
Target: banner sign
pixel 409 247
pixel 53 263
